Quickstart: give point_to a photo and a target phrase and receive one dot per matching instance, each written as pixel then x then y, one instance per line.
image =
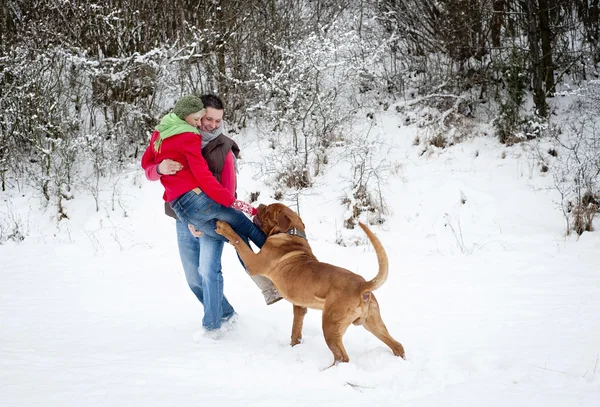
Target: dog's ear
pixel 302 223
pixel 284 222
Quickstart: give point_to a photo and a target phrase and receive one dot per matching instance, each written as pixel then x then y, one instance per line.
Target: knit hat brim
pixel 187 105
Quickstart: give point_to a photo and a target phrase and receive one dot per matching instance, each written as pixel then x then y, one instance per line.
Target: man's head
pixel 214 113
pixel 190 108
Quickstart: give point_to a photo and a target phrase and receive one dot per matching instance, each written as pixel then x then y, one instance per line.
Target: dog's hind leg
pixel 299 313
pixel 374 324
pixel 335 324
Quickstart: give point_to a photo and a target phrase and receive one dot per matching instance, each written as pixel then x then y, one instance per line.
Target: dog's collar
pixel 296 232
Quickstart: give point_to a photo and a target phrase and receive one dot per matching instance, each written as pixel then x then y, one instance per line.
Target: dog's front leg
pixel 246 254
pixel 299 313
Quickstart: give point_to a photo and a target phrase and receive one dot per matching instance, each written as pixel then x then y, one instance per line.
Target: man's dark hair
pixel 212 101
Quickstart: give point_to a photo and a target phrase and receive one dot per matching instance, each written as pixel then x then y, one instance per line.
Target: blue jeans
pixel 201 261
pixel 202 212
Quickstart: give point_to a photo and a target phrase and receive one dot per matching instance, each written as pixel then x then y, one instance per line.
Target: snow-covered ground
pixel 492 304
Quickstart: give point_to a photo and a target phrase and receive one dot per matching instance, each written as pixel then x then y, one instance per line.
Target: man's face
pixel 211 120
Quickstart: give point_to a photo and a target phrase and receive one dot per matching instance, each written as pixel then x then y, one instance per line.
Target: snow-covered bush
pixel 306 108
pixel 12 227
pixel 576 166
pixel 38 122
pixel 508 123
pixel 370 170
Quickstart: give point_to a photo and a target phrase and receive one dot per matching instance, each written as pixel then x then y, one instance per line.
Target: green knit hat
pixel 187 105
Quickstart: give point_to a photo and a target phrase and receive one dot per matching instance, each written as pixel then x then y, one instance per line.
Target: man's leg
pixel 189 253
pixel 212 282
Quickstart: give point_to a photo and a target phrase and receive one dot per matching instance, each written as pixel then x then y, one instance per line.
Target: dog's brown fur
pixel 345 297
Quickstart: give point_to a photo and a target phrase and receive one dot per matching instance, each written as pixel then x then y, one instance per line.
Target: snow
pixel 494 306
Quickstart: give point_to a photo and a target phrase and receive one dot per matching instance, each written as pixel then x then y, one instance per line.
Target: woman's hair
pixel 212 101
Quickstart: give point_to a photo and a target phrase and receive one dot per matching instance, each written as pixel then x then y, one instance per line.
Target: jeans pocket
pixel 180 205
pixel 183 199
pixel 202 206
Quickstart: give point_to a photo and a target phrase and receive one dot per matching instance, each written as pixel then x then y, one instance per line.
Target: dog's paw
pixel 223 228
pixel 296 341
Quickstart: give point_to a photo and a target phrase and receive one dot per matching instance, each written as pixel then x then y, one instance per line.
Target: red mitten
pixel 244 207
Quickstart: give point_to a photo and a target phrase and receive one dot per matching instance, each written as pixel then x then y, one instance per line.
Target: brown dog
pixel 287 260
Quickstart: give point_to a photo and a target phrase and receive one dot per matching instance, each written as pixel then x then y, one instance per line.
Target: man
pixel 201 253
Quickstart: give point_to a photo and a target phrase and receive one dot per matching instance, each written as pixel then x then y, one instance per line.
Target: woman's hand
pixel 244 207
pixel 168 167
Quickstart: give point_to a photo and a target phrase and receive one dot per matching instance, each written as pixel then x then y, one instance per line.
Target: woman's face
pixel 194 119
pixel 211 120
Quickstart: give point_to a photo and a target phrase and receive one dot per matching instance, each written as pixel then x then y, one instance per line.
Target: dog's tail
pixel 381 259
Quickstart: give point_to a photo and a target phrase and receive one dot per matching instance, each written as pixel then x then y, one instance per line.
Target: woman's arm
pixel 153 170
pixel 165 167
pixel 204 178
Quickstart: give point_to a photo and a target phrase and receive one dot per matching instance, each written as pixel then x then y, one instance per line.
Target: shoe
pixel 214 334
pixel 229 323
pixel 231 317
pixel 274 300
pixel 203 334
pixel 271 296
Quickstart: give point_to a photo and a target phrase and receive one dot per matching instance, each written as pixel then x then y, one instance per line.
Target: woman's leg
pixel 242 225
pixel 203 212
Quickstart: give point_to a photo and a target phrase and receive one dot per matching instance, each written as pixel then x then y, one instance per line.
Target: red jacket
pixel 185 148
pixel 228 177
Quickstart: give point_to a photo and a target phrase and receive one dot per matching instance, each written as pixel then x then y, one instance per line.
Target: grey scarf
pixel 208 136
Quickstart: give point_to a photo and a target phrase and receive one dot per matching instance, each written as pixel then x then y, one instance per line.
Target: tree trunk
pixel 497 20
pixel 220 50
pixel 589 14
pixel 539 95
pixel 546 34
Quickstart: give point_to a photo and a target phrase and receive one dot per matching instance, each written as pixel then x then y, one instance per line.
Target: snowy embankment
pixel 491 303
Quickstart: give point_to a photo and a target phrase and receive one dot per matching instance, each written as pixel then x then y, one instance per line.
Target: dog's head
pixel 277 218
